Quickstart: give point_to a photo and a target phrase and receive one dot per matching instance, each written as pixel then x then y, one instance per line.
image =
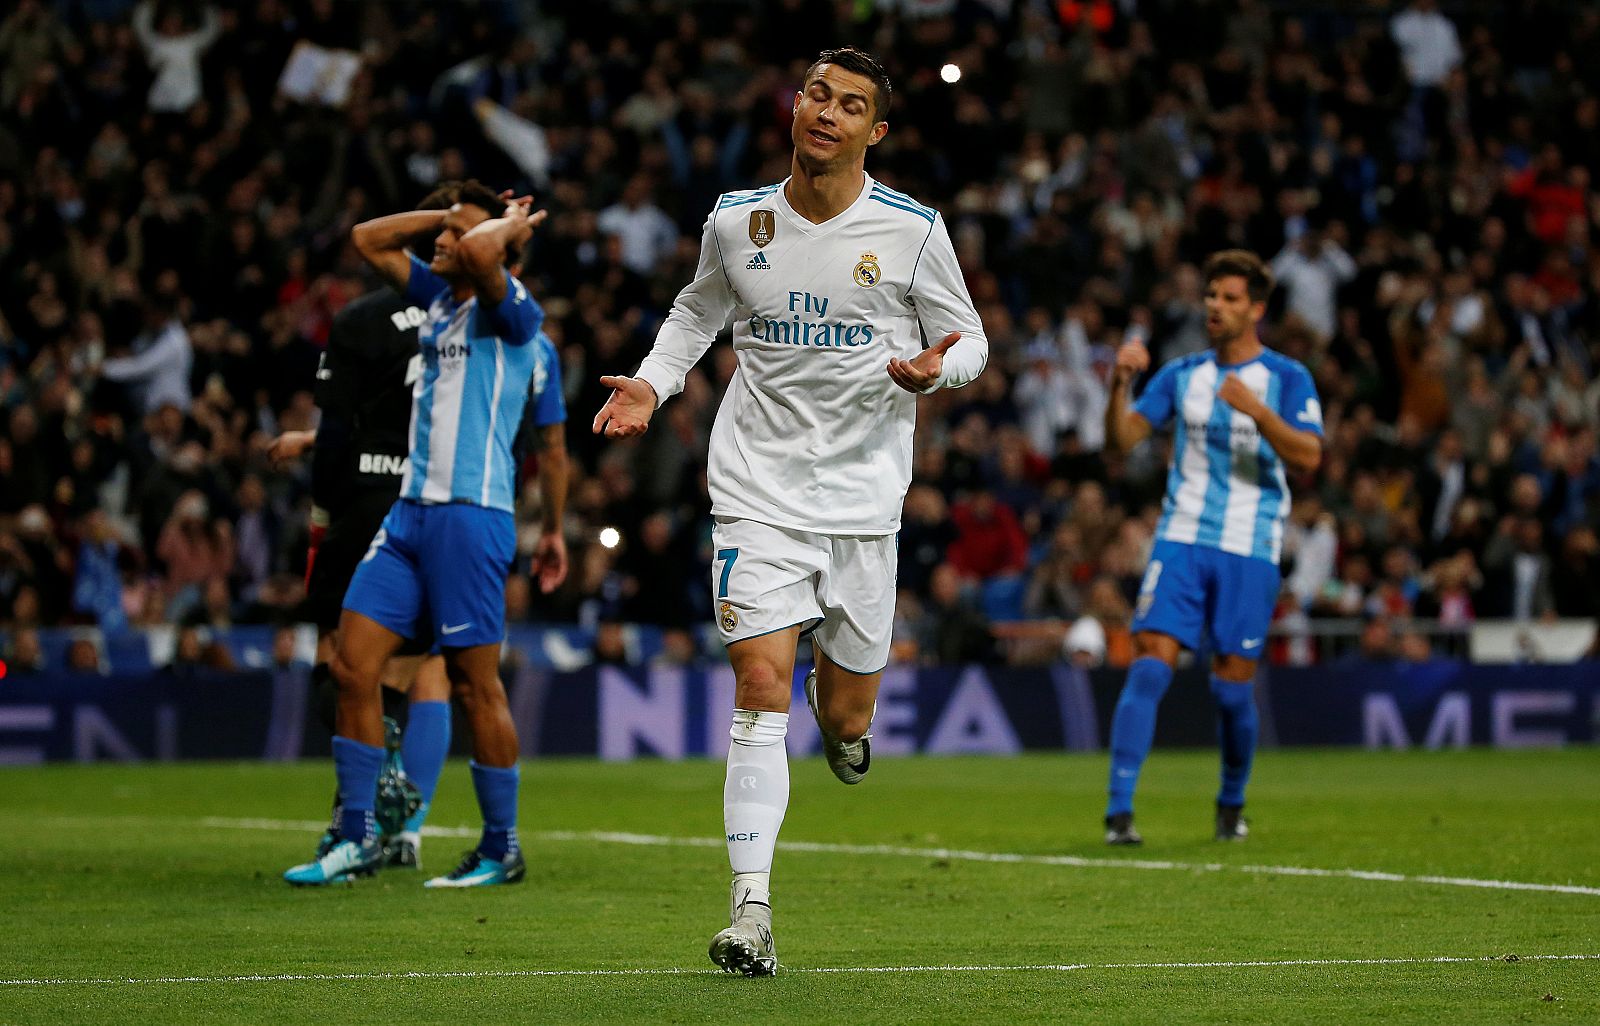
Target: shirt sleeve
pixel 700 311
pixel 549 405
pixel 517 317
pixel 1298 403
pixel 939 293
pixel 423 287
pixel 1159 398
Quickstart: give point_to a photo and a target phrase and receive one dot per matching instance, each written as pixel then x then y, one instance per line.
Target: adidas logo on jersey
pixel 758 263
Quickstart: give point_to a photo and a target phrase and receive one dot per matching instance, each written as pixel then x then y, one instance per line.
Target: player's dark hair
pixel 479 195
pixel 1241 263
pixel 443 196
pixel 862 63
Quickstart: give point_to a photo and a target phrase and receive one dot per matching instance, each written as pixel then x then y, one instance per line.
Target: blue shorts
pixel 1190 588
pixel 438 565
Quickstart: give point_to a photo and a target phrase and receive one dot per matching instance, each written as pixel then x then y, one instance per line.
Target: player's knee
pixel 1148 645
pixel 759 684
pixel 1234 669
pixel 849 725
pixel 347 674
pixel 475 692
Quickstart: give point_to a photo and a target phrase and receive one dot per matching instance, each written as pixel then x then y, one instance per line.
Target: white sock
pixel 754 799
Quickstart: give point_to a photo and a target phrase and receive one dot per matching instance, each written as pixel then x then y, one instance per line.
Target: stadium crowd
pixel 174 240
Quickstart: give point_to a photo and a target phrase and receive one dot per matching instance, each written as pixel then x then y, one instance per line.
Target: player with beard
pixel 1243 414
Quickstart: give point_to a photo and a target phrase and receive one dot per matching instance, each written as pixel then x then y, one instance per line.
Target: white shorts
pixel 767 578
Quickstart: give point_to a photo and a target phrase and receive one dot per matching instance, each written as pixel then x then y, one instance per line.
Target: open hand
pixel 627 412
pixel 922 372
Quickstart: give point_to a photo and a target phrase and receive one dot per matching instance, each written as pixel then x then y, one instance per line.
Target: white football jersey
pixel 812 433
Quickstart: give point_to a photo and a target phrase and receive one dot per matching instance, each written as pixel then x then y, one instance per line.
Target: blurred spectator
pixel 1575 578
pixel 285 649
pixel 196 649
pixel 1429 45
pixel 1377 643
pixel 953 632
pixel 647 234
pixel 989 540
pixel 1517 570
pixel 1414 647
pixel 97 586
pixel 1109 607
pixel 1085 643
pixel 83 656
pixel 1311 271
pixel 24 654
pixel 926 534
pixel 174 50
pixel 157 372
pixel 195 550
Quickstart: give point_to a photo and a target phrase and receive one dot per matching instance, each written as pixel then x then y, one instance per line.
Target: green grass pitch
pixel 134 894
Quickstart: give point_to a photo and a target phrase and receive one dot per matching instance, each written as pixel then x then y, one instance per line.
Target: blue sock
pixel 426 744
pixel 357 766
pixel 1237 727
pixel 497 798
pixel 1133 728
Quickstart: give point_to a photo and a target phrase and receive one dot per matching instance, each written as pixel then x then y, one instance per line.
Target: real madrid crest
pixel 868 272
pixel 763 224
pixel 727 618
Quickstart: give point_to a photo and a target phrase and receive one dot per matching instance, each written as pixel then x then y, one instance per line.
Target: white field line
pixel 955 855
pixel 505 974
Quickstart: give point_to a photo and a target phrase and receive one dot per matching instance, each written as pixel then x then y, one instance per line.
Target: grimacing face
pixel 1230 312
pixel 835 118
pixel 461 218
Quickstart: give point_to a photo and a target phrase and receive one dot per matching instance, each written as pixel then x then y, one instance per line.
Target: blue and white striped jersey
pixel 467 405
pixel 1226 488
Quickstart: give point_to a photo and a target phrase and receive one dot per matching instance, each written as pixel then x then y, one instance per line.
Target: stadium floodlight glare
pixel 951 73
pixel 610 537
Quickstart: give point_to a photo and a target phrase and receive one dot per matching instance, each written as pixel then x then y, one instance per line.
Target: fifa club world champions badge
pixel 762 226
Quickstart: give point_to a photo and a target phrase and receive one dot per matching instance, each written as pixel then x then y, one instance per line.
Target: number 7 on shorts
pixel 728 557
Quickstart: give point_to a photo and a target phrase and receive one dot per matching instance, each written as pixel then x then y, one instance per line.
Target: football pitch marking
pixel 952 854
pixel 1066 967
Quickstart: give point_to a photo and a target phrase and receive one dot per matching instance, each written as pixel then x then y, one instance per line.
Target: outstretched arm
pixel 699 312
pixel 945 311
pixel 382 242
